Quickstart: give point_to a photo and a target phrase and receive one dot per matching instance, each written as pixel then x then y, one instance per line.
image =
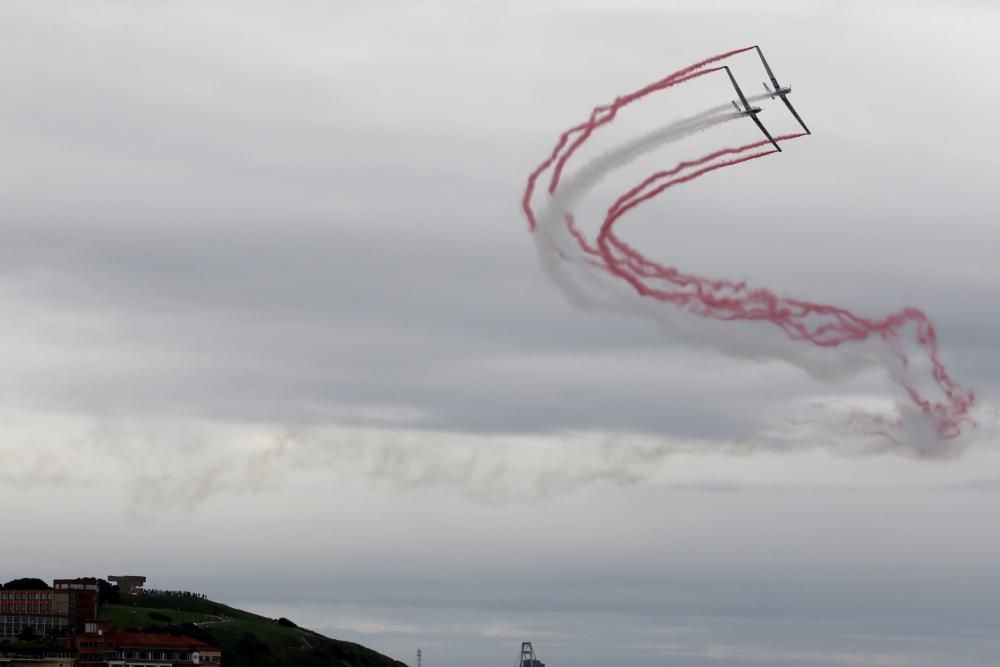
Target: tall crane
pixel 528 657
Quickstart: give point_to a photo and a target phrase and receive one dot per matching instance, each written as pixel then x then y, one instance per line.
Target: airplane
pixel 748 110
pixel 780 91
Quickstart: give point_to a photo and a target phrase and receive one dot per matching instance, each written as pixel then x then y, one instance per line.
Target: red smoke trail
pixel 818 324
pixel 611 110
pixel 726 300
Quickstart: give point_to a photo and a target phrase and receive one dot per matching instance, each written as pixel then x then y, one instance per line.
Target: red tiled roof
pixel 156 640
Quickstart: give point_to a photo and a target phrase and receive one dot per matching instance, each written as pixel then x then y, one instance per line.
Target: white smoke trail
pixel 559 252
pixel 561 256
pixel 180 464
pixel 589 286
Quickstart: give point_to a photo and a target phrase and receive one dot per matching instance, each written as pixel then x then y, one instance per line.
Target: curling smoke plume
pixel 603 271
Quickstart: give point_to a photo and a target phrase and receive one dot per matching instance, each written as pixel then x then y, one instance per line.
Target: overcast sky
pixel 276 329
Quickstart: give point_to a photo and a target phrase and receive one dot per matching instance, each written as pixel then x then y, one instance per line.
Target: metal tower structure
pixel 420 658
pixel 528 657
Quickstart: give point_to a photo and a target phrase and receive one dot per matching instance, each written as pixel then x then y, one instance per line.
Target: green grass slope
pixel 246 640
pixel 124 616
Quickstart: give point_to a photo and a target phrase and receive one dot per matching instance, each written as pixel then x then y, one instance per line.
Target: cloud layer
pixel 271 312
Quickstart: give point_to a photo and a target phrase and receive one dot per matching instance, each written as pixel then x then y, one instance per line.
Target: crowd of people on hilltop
pixel 182 594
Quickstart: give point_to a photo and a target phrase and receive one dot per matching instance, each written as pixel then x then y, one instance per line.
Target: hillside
pixel 246 640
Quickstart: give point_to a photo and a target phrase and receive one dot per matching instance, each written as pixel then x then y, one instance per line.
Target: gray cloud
pixel 227 229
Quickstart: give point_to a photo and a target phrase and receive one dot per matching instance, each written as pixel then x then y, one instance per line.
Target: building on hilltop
pixel 128 584
pixel 102 648
pixel 84 598
pixel 67 660
pixel 91 645
pixel 71 606
pixel 30 604
pixel 78 584
pixel 134 646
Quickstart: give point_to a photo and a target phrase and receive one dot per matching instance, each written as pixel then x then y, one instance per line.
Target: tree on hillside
pixel 107 593
pixel 194 632
pixel 252 649
pixel 25 584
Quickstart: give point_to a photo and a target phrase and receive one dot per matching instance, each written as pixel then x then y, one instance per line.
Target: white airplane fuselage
pixel 752 111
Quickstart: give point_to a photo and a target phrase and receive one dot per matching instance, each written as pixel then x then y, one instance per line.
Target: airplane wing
pixel 767 68
pixel 748 111
pixel 777 87
pixel 763 129
pixel 784 98
pixel 743 99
